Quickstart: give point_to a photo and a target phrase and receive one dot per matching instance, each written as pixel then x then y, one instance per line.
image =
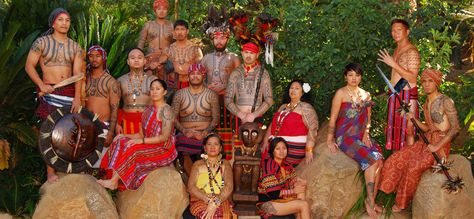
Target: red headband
pixel 197 67
pixel 159 3
pixel 252 47
pixel 436 75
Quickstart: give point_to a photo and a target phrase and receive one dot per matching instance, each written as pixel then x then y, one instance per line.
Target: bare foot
pixel 109 184
pixel 52 178
pixel 396 209
pixel 370 209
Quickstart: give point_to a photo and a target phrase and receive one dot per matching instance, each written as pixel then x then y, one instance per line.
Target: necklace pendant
pixel 136 93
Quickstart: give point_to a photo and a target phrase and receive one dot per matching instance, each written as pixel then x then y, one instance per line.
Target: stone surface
pixel 75 196
pixel 162 195
pixel 431 201
pixel 5 216
pixel 333 186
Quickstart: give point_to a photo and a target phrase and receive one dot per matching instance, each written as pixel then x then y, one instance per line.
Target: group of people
pixel 212 95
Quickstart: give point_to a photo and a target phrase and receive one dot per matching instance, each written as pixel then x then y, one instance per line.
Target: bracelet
pixel 309 149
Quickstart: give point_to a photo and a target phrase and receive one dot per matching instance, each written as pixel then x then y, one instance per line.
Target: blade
pixel 386 80
pixel 69 80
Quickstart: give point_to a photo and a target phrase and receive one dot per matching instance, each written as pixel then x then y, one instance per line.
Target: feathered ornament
pixel 216 23
pixel 263 35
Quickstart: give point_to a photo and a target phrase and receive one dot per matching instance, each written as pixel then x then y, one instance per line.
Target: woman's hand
pixel 332 145
pixel 308 157
pixel 210 211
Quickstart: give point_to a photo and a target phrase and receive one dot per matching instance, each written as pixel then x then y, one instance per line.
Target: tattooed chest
pixel 195 108
pixel 57 53
pixel 97 87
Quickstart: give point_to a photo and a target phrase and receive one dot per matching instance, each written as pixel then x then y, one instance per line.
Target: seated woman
pixel 349 127
pixel 280 192
pixel 297 122
pixel 210 183
pixel 132 157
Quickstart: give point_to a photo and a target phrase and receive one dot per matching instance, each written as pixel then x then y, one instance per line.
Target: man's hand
pixel 386 58
pixel 118 129
pixel 108 139
pixel 76 104
pixel 46 88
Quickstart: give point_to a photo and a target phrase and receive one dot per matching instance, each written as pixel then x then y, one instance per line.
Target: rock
pixel 431 201
pixel 5 216
pixel 75 196
pixel 162 195
pixel 333 186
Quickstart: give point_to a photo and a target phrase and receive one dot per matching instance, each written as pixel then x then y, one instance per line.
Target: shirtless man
pixel 102 93
pixel 197 110
pixel 158 35
pixel 240 92
pixel 402 171
pixel 135 89
pixel 183 53
pixel 405 63
pixel 219 64
pixel 59 58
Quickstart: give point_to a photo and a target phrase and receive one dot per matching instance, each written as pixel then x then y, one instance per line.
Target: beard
pixel 220 49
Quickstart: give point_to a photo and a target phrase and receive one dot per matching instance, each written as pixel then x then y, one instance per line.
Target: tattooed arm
pixel 229 182
pixel 215 110
pixel 167 121
pixel 192 189
pixel 143 36
pixel 176 106
pixel 410 70
pixel 76 69
pixel 198 55
pixel 310 119
pixel 266 89
pixel 31 62
pixel 230 94
pixel 452 114
pixel 114 100
pixel 335 107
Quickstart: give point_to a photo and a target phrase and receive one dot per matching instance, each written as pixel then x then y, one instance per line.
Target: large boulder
pixel 162 195
pixel 431 201
pixel 75 196
pixel 5 216
pixel 333 186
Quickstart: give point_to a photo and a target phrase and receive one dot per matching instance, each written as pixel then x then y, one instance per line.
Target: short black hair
pixel 273 144
pixel 163 83
pixel 136 48
pixel 357 68
pixel 400 21
pixel 181 23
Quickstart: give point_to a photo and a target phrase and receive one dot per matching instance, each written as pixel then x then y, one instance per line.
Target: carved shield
pixel 71 142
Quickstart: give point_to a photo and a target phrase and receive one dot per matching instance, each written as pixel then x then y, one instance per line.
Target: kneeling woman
pixel 132 157
pixel 210 183
pixel 349 128
pixel 280 192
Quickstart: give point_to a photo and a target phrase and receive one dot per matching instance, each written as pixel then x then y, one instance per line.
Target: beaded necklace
pixel 134 88
pixel 212 176
pixel 356 99
pixel 283 114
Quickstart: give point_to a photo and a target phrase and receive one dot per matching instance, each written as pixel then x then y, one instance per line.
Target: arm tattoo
pixel 114 95
pixel 36 47
pixel 215 110
pixel 452 115
pixel 267 93
pixel 228 179
pixel 143 36
pixel 231 92
pixel 167 118
pixel 175 106
pixel 310 118
pixel 269 208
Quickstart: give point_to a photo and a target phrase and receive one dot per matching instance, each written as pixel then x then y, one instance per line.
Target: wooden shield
pixel 71 142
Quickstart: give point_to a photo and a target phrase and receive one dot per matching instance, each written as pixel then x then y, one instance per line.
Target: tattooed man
pixel 403 169
pixel 59 58
pixel 405 63
pixel 183 53
pixel 158 35
pixel 102 93
pixel 135 89
pixel 197 114
pixel 241 88
pixel 219 64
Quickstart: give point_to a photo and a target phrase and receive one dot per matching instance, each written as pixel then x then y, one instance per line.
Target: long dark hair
pixel 163 83
pixel 273 144
pixel 305 98
pixel 213 135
